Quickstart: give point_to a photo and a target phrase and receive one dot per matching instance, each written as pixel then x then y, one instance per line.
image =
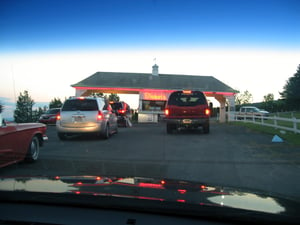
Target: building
pixel 154 89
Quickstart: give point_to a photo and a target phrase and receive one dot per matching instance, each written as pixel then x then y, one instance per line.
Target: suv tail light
pixel 99 116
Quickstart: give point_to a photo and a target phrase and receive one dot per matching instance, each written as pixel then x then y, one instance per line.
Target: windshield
pixel 163 58
pixel 117 105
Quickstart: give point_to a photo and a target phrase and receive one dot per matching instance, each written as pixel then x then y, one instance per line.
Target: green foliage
pixel 291 91
pixel 244 98
pixel 289 136
pixel 113 97
pixel 37 113
pixel 97 94
pixel 23 112
pixel 268 102
pixel 55 103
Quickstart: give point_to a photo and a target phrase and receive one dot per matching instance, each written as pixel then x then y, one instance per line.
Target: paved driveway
pixel 230 155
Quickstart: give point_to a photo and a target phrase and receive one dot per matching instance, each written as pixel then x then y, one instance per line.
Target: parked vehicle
pixel 123 111
pixel 20 141
pixel 250 111
pixel 86 115
pixel 187 109
pixel 49 117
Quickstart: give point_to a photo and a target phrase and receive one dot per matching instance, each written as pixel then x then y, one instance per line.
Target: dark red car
pixel 123 112
pixel 20 142
pixel 49 117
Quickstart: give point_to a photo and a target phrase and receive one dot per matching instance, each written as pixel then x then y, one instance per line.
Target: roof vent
pixel 155 70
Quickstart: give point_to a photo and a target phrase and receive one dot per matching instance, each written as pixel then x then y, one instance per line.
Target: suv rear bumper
pixel 91 129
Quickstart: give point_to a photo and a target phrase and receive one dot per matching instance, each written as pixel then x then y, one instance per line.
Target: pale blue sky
pixel 45 46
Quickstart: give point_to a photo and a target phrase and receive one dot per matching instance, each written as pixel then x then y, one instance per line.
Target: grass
pixel 288 136
pixel 287 114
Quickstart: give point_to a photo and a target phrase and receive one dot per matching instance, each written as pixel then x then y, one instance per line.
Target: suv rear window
pixel 80 104
pixel 191 99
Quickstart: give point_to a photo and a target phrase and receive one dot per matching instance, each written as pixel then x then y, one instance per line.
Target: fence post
pixel 275 121
pixel 295 124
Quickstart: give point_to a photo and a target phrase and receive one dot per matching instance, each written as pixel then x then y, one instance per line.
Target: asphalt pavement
pixel 229 155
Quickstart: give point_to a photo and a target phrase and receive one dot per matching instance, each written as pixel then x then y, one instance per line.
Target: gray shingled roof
pixel 148 81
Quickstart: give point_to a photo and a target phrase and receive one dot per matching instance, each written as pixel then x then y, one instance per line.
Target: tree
pixel 244 98
pixel 268 102
pixel 1 107
pixel 97 94
pixel 37 113
pixel 55 103
pixel 23 112
pixel 291 90
pixel 269 98
pixel 113 97
pixel 1 119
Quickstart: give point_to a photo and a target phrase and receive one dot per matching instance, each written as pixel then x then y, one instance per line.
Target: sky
pixel 47 45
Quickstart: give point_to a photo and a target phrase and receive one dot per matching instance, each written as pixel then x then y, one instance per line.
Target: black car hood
pixel 188 198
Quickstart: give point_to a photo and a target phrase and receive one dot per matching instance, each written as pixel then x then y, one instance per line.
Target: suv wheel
pixel 106 133
pixel 61 136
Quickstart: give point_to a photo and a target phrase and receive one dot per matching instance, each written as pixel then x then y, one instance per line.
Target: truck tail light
pixel 207 112
pixel 121 111
pixel 187 92
pixel 167 112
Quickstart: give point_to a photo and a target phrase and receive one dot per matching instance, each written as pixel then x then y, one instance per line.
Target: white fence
pixel 290 124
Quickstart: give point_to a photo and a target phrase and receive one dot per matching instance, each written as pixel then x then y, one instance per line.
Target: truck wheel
pixel 206 128
pixel 169 128
pixel 61 136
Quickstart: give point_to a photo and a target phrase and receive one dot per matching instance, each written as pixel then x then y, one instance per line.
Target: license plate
pixel 187 121
pixel 77 119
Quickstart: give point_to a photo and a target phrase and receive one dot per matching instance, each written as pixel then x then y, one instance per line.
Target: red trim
pixel 152 90
pixel 219 93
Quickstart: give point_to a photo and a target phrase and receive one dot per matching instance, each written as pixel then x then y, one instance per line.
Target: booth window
pixel 149 105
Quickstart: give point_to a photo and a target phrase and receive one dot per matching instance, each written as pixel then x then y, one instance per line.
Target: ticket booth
pixel 152 105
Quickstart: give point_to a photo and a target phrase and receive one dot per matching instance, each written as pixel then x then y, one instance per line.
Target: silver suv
pixel 81 115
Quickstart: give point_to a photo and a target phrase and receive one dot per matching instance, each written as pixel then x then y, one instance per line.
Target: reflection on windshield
pixel 147 188
pixel 250 202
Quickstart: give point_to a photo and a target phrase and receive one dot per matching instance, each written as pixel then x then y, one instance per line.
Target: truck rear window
pixel 182 99
pixel 117 105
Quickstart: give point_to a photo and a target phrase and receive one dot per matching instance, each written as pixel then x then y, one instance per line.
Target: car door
pixel 9 144
pixel 112 117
